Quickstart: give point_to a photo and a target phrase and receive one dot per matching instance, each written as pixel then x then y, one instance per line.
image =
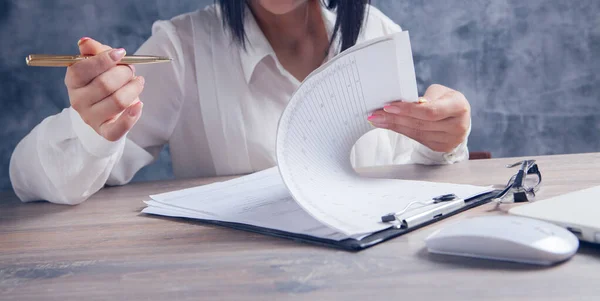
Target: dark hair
pixel 349 22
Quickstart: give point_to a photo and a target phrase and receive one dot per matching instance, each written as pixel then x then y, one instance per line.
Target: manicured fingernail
pixel 392 109
pixel 422 100
pixel 83 40
pixel 117 54
pixel 135 109
pixel 378 125
pixel 376 119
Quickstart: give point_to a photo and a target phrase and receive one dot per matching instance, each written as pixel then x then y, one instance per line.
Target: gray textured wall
pixel 529 67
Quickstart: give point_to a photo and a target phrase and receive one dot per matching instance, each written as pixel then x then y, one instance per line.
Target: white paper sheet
pixel 260 199
pixel 321 124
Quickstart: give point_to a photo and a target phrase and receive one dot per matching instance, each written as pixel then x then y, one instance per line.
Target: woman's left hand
pixel 440 121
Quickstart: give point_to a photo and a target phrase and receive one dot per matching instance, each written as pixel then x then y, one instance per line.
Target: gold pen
pixel 48 60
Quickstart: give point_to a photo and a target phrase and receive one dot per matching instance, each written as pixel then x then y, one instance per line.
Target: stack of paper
pixel 315 191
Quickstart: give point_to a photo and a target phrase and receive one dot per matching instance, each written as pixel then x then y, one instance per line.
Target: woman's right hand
pixel 105 95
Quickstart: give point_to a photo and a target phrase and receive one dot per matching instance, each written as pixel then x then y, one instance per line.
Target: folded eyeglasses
pixel 522 186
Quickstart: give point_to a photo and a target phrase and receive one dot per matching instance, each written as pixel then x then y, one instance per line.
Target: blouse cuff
pixel 460 153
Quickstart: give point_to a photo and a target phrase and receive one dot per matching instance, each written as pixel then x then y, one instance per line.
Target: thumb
pixel 89 46
pixel 435 92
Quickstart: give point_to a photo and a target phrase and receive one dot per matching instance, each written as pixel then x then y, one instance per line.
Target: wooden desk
pixel 103 249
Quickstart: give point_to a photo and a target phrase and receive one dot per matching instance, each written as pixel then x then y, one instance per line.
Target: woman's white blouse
pixel 216 104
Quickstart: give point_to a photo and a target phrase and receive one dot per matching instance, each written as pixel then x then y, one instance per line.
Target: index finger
pixel 89 46
pixel 82 73
pixel 449 105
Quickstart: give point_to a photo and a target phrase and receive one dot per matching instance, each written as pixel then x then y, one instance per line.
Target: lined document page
pixel 260 199
pixel 321 124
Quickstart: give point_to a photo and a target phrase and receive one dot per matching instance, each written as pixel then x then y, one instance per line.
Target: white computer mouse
pixel 508 238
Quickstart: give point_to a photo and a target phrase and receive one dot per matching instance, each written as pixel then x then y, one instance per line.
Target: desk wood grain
pixel 104 249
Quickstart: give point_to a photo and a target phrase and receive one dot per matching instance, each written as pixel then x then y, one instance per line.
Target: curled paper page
pixel 321 124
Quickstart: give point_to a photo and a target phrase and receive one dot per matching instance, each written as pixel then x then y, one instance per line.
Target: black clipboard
pixel 350 244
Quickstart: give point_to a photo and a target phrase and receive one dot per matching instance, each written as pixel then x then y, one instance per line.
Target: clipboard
pixel 350 244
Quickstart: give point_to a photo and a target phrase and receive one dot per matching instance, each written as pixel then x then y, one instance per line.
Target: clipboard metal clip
pixel 452 203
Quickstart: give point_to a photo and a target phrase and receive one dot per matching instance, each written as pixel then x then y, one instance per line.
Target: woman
pixel 236 64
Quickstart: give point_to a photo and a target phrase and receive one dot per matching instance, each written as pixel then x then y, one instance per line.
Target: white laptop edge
pixel 578 212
